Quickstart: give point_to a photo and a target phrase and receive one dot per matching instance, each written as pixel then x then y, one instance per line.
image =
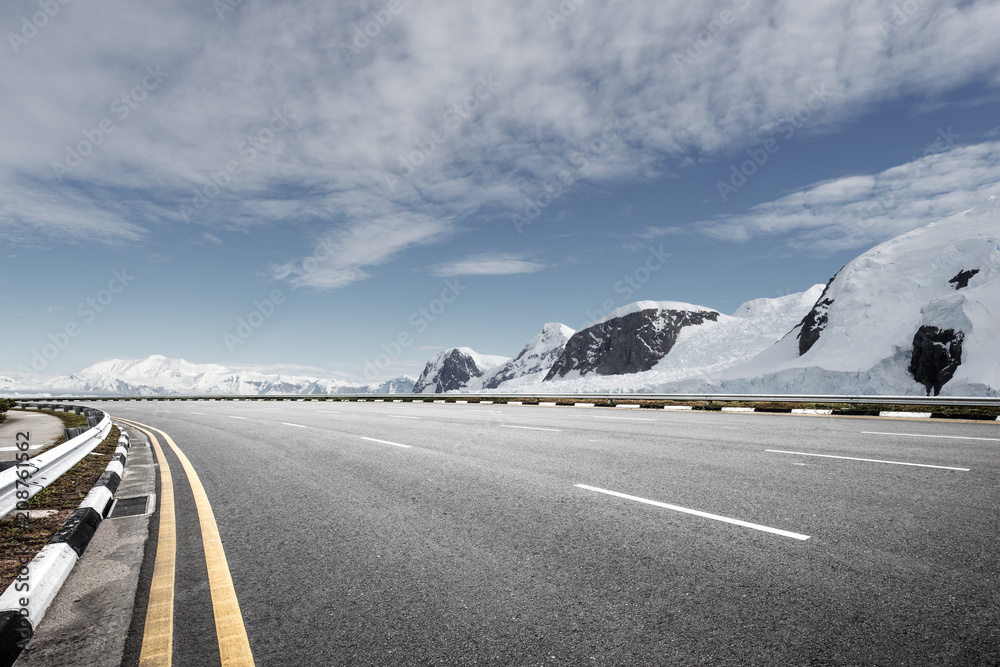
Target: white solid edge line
pixel 291 424
pixel 386 442
pixel 705 515
pixel 852 458
pixel 921 435
pixel 629 419
pixel 532 428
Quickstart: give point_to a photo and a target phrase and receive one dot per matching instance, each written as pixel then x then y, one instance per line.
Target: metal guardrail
pixel 21 482
pixel 944 401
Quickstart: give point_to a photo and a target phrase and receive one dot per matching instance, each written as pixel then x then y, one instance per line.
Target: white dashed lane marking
pixel 386 442
pixel 852 458
pixel 704 515
pixel 532 428
pixel 921 435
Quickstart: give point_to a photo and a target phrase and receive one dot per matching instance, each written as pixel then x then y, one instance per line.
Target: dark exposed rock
pixel 961 281
pixel 814 322
pixel 631 343
pixel 937 354
pixel 456 369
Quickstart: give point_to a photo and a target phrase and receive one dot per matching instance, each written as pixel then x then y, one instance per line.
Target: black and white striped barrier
pixel 19 484
pixel 24 603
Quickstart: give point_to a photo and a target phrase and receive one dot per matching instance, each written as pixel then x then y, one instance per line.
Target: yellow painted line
pixel 234 646
pixel 158 632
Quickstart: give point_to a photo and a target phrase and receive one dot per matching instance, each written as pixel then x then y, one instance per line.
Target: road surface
pixel 427 534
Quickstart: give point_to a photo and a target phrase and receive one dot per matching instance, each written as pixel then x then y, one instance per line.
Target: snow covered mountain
pixel 919 314
pixel 718 342
pixel 157 375
pixel 456 369
pixel 631 339
pixel 915 315
pixel 536 358
pixel 401 385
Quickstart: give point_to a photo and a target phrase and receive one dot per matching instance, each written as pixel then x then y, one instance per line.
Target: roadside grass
pixel 69 419
pixel 860 409
pixel 20 539
pixel 846 409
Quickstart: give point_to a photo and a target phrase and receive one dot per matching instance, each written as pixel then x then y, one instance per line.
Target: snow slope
pixel 535 358
pixel 755 326
pixel 862 337
pixel 659 306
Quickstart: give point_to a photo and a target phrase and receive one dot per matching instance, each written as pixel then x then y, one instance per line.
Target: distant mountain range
pixel 160 376
pixel 919 314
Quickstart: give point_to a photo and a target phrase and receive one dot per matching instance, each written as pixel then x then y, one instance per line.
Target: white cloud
pixel 487 264
pixel 858 211
pixel 658 232
pixel 356 117
pixel 30 211
pixel 342 255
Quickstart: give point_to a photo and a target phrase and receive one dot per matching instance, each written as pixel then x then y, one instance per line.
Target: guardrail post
pixel 73 432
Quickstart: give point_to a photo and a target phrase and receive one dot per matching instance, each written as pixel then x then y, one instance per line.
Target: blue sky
pixel 525 161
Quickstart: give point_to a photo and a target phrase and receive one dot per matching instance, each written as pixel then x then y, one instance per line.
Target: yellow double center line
pixel 157 641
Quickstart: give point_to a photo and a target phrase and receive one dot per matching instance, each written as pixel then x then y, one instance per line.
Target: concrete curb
pixel 24 603
pixel 906 415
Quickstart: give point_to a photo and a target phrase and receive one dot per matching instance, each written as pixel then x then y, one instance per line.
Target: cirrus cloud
pixel 487 264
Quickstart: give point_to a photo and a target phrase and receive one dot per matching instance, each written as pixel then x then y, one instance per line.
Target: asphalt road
pixel 40 431
pixel 474 545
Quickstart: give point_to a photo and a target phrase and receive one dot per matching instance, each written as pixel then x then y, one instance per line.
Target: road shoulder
pixel 90 617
